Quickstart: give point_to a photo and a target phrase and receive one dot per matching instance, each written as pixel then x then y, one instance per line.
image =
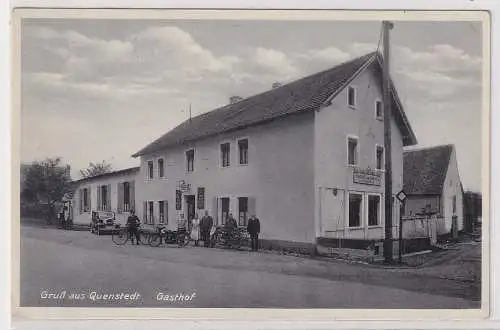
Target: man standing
pixel 133 227
pixel 253 229
pixel 206 224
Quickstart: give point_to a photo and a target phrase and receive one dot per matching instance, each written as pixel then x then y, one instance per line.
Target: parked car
pixel 102 222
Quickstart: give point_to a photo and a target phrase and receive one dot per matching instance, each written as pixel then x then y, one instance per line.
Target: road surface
pixel 69 268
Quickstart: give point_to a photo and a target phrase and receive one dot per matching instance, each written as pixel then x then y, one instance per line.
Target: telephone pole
pixel 386 88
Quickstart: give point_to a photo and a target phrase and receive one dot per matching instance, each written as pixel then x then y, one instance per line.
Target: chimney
pixel 276 85
pixel 234 99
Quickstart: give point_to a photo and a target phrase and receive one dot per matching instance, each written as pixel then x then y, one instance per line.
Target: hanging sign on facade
pixel 178 200
pixel 183 186
pixel 367 176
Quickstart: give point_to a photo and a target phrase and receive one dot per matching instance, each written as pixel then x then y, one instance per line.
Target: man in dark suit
pixel 253 229
pixel 206 224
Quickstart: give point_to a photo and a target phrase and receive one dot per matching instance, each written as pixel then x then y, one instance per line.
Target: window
pixel 190 160
pixel 379 111
pixel 355 209
pixel 243 151
pixel 86 204
pixel 224 209
pixel 151 212
pixel 150 170
pixel 243 210
pixel 380 158
pixel 104 195
pixel 351 96
pixel 163 211
pixel 161 168
pixel 225 154
pixel 352 150
pixel 454 204
pixel 373 210
pixel 126 196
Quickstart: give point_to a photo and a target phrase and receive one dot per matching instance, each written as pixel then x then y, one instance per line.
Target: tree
pixel 95 169
pixel 46 183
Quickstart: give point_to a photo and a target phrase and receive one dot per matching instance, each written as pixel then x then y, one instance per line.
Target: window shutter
pixel 215 210
pixel 89 197
pixel 165 211
pixel 132 194
pixel 80 193
pixel 99 204
pixel 108 200
pixel 120 197
pixel 145 212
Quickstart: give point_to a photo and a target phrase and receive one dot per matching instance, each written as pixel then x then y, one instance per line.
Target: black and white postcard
pixel 211 163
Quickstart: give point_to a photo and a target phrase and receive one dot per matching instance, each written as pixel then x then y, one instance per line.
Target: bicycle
pixel 121 235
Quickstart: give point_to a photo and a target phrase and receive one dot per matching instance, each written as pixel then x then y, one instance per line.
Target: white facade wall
pixel 452 189
pixel 279 177
pixel 333 125
pixel 84 217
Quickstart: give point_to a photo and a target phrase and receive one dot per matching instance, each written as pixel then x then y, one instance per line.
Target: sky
pixel 95 90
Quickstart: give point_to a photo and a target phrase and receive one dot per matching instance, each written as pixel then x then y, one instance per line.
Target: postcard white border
pixel 255 314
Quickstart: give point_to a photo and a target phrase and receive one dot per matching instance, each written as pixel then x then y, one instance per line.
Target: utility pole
pixel 388 249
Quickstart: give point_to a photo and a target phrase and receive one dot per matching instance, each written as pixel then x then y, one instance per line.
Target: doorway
pixel 190 207
pixel 224 209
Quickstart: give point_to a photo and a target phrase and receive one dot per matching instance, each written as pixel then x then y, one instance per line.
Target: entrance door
pixel 190 204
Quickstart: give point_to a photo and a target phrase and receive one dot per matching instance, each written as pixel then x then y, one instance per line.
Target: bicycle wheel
pixel 146 238
pixel 120 236
pixel 155 240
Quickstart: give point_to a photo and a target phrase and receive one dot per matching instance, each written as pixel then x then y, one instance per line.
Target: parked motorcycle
pixel 166 236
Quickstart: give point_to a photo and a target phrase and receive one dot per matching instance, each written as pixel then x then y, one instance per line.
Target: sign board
pixel 201 198
pixel 401 196
pixel 178 200
pixel 367 177
pixel 183 186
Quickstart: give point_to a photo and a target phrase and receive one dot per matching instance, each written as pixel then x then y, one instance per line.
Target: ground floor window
pixel 163 212
pixel 355 209
pixel 224 209
pixel 373 210
pixel 242 211
pixel 148 212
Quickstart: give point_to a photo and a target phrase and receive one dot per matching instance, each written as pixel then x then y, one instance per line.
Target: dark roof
pixel 424 170
pixel 302 95
pixel 125 171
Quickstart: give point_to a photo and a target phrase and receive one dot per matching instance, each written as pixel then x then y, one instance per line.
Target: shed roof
pixel 424 170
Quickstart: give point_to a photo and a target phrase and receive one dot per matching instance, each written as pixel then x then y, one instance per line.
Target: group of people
pixel 202 229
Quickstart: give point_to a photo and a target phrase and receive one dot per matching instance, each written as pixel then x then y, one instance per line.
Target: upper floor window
pixel 150 170
pixel 379 110
pixel 161 168
pixel 351 96
pixel 190 160
pixel 352 151
pixel 380 158
pixel 225 154
pixel 243 151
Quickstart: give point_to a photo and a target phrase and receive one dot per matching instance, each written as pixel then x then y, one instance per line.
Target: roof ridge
pixel 422 148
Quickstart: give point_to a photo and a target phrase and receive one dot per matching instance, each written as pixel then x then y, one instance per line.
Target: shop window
pixel 373 210
pixel 355 209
